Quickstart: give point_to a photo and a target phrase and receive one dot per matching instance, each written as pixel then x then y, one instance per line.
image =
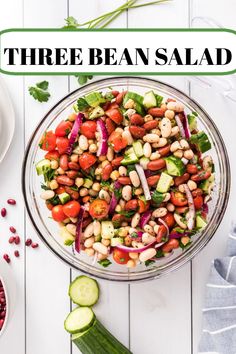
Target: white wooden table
pixel 162 316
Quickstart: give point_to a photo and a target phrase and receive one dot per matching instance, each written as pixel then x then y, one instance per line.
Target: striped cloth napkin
pixel 219 312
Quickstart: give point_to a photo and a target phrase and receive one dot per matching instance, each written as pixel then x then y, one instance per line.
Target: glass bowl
pixel 48 229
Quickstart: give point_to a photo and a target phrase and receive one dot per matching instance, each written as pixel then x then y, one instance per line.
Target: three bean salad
pixel 126 177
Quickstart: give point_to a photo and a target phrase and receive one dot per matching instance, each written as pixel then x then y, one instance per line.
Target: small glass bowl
pixel 48 229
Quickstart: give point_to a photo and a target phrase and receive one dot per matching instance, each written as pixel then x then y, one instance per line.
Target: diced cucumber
pixel 130 157
pixel 144 162
pixel 96 113
pixel 159 100
pixel 94 99
pixel 138 148
pixel 200 222
pixel 107 230
pixel 116 241
pixel 87 183
pixel 133 96
pixel 192 122
pixel 43 166
pixel 79 320
pixel 164 183
pixel 66 236
pixel 157 198
pixel 97 339
pixel 64 197
pixel 139 108
pixel 208 184
pixel 175 166
pixel 201 141
pixel 84 291
pixel 149 100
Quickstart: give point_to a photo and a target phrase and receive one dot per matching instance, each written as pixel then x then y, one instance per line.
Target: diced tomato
pixel 143 206
pixel 52 155
pixel 169 220
pixel 63 128
pixel 58 214
pixel 110 125
pixel 115 115
pixel 198 202
pixel 98 209
pixel 117 141
pixel 178 199
pixel 48 141
pixel 120 257
pixel 62 145
pixel 88 129
pixel 71 209
pixel 60 190
pixel 86 160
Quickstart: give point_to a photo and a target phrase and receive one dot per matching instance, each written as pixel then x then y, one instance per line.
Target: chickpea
pixel 118 208
pixel 54 164
pixel 178 153
pixel 138 191
pixel 102 256
pixel 114 175
pixel 131 263
pixel 106 242
pixel 170 207
pixel 128 241
pixel 83 192
pixel 92 193
pixel 96 187
pixel 89 251
pixel 122 232
pixel 89 242
pixel 148 118
pixel 79 182
pixel 192 185
pixel 169 114
pixel 93 148
pixel 53 184
pixel 188 154
pixel 185 240
pixel 102 158
pixel 60 171
pixel 74 158
pixel 181 188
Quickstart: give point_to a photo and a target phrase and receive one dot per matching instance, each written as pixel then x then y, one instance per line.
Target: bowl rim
pixel 7 305
pixel 188 256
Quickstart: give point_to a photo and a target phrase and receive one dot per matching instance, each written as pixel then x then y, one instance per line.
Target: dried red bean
pixel 17 240
pixel 28 242
pixel 17 254
pixel 11 201
pixel 1 323
pixel 12 229
pixel 3 212
pixel 7 258
pixel 11 239
pixel 2 314
pixel 34 245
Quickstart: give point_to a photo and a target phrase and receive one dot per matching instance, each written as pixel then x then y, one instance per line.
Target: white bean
pixel 165 126
pixel 170 207
pixel 134 179
pixel 169 114
pixel 147 254
pixel 89 242
pixel 192 185
pixel 148 228
pixel 179 221
pixel 151 138
pixel 88 232
pixel 105 196
pixel 147 238
pixel 71 228
pixel 147 150
pixel 96 228
pixel 135 220
pixel 156 229
pixel 155 155
pixel 127 135
pixel 83 142
pixel 159 212
pixel 174 131
pixel 175 106
pixel 175 146
pixel 188 154
pixel 47 194
pixel 122 171
pixel 162 142
pixel 99 247
pixel 184 144
pixel 110 154
pixel 127 193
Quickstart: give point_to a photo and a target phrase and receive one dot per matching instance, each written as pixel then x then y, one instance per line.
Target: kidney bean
pixel 198 202
pixel 152 180
pixel 131 205
pixel 17 240
pixel 124 180
pixel 106 106
pixel 6 258
pixel 115 93
pixel 201 176
pixel 72 174
pixel 11 201
pixel 137 132
pixel 28 242
pixel 73 194
pixel 150 125
pixel 66 181
pixel 156 165
pixel 156 112
pixel 197 192
pixel 136 119
pixel 86 222
pixel 16 253
pixel 106 171
pixel 119 97
pixel 64 162
pixel 164 150
pixel 192 169
pixel 12 229
pixel 11 239
pixel 116 162
pixel 3 212
pixel 161 233
pixel 181 210
pixel 170 245
pixel 110 125
pixel 181 179
pixel 34 245
pixel 74 166
pixel 60 190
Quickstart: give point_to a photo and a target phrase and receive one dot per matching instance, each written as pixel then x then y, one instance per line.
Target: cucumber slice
pixel 107 230
pixel 200 222
pixel 164 183
pixel 94 99
pixel 96 113
pixel 84 291
pixel 133 96
pixel 79 320
pixel 64 197
pixel 87 183
pixel 175 166
pixel 138 148
pixel 201 141
pixel 130 157
pixel 67 237
pixel 149 100
pixel 43 166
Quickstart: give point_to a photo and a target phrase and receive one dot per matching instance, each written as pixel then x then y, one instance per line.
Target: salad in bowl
pixel 127 177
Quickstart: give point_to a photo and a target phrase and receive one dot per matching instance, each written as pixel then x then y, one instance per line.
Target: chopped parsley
pixel 40 91
pixel 105 263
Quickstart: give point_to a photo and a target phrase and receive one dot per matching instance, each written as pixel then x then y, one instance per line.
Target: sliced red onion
pixel 176 235
pixel 132 249
pixel 74 132
pixel 166 226
pixel 103 138
pixel 184 160
pixel 205 208
pixel 79 229
pixel 143 181
pixel 113 204
pixel 117 185
pixel 180 125
pixel 145 218
pixel 158 245
pixel 191 214
pixel 186 126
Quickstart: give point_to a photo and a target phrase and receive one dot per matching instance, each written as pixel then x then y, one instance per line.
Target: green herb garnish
pixel 49 175
pixel 40 91
pixel 82 104
pixel 105 263
pixel 82 79
pixel 126 213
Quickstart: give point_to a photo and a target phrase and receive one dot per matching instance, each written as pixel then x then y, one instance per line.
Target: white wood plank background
pixel 162 316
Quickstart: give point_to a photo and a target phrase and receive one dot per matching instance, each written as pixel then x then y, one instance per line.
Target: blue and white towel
pixel 219 312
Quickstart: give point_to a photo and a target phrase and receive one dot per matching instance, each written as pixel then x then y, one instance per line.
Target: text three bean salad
pixel 126 177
